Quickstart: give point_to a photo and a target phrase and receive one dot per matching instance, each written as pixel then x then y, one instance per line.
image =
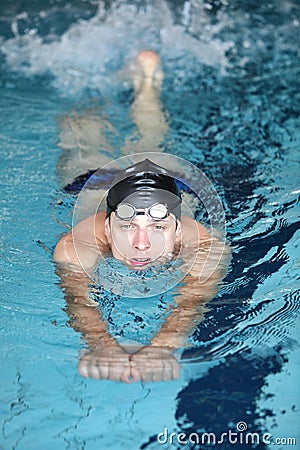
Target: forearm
pixel 85 316
pixel 181 323
pixel 199 288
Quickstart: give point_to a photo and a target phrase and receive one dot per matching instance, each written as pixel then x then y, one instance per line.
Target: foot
pixel 148 71
pixel 148 61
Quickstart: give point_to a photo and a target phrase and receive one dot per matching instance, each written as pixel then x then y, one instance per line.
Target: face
pixel 141 242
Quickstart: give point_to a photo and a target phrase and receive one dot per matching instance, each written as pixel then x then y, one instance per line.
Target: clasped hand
pixel 114 363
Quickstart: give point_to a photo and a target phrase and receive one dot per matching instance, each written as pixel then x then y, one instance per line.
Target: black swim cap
pixel 142 185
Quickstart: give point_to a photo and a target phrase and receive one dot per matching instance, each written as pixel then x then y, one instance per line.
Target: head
pixel 143 223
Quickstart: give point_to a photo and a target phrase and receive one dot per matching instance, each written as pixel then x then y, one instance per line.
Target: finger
pixel 167 375
pixel 97 370
pixel 148 373
pixel 116 369
pixel 125 376
pixel 158 373
pixel 135 374
pixel 83 369
pixel 134 371
pixel 176 370
pixel 86 368
pixel 140 373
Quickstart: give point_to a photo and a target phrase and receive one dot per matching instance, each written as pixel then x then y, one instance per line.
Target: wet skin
pixel 141 242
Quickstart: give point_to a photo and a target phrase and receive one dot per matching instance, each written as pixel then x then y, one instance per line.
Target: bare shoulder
pixel 100 226
pixel 192 229
pixel 100 220
pixel 92 229
pixel 88 234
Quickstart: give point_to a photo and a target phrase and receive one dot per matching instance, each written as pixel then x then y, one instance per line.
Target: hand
pixel 106 363
pixel 154 364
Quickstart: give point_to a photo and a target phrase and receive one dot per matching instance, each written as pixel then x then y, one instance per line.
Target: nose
pixel 141 240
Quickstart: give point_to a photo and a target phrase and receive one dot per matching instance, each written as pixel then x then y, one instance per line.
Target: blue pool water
pixel 232 92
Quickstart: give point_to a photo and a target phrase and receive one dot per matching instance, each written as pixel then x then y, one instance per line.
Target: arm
pixel 105 358
pixel 200 286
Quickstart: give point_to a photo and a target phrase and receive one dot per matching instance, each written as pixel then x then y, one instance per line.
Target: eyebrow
pixel 153 221
pixel 160 221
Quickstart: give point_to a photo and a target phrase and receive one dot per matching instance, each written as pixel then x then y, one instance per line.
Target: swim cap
pixel 142 185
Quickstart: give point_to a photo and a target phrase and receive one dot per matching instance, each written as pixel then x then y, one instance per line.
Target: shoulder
pixel 191 229
pixel 89 234
pixel 99 220
pixel 99 229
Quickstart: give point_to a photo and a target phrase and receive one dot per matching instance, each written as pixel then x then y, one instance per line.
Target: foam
pixel 91 49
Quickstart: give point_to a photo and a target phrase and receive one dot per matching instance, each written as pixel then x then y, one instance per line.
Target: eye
pixel 159 227
pixel 127 227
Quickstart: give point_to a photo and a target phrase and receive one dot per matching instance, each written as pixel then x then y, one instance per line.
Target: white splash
pixel 91 49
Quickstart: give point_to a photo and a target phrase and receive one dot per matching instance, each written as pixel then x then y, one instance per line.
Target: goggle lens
pixel 158 211
pixel 125 211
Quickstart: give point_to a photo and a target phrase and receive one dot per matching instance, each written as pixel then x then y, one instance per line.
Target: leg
pixel 82 138
pixel 147 109
pixel 82 135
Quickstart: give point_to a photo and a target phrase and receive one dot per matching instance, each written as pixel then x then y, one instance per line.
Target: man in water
pixel 142 226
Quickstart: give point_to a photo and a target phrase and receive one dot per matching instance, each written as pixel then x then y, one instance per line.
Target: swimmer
pixel 142 225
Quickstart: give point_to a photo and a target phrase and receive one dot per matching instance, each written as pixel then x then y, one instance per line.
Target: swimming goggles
pixel 158 211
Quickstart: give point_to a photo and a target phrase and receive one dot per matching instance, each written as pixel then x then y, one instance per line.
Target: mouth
pixel 140 262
